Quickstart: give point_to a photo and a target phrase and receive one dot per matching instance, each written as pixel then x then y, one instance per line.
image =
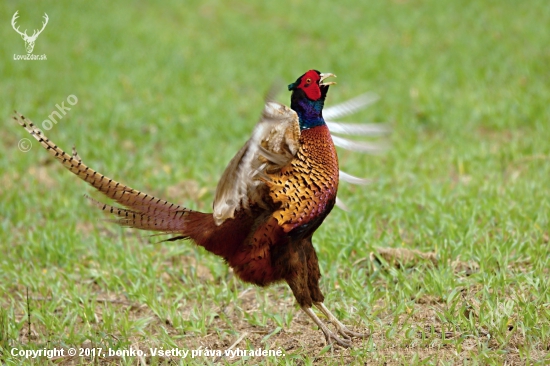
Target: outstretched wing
pixel 346 108
pixel 274 142
pixel 359 129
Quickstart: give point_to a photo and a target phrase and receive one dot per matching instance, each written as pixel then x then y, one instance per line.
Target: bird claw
pixel 348 334
pixel 341 328
pixel 331 338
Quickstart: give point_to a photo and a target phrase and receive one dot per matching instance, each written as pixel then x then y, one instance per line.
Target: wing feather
pixel 350 106
pixel 274 142
pixel 355 129
pixel 365 129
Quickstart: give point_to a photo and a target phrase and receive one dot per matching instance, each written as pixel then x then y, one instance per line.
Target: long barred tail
pixel 142 210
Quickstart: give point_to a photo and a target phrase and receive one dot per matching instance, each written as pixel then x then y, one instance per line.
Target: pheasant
pixel 271 198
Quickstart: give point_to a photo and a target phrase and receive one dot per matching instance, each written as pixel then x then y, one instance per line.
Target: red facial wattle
pixel 310 84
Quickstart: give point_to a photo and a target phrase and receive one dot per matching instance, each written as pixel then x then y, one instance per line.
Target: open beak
pixel 324 76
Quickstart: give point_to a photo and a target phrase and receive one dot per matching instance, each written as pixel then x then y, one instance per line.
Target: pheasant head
pixel 308 97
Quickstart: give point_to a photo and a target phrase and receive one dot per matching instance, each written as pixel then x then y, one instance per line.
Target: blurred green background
pixel 168 92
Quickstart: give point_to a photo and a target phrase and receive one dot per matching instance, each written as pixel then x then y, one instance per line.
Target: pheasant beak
pixel 324 76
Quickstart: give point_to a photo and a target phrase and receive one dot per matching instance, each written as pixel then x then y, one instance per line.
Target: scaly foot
pixel 329 335
pixel 342 329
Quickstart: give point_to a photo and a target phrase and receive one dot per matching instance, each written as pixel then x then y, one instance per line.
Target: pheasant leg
pixel 329 335
pixel 342 329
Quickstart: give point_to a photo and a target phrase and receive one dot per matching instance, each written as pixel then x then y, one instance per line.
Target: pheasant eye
pixel 308 80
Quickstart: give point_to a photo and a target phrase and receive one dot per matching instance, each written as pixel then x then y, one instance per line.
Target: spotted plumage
pixel 306 188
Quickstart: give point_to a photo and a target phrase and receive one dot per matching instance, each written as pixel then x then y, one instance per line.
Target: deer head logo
pixel 29 40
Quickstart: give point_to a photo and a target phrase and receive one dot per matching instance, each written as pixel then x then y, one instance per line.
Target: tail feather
pixel 143 211
pixel 145 221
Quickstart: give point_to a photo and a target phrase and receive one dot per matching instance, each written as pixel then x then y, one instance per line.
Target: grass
pixel 168 93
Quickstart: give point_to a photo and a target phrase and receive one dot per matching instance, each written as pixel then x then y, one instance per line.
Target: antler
pixel 43 26
pixel 24 34
pixel 15 16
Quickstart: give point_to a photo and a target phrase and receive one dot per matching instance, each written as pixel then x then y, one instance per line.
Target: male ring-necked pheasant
pixel 269 201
